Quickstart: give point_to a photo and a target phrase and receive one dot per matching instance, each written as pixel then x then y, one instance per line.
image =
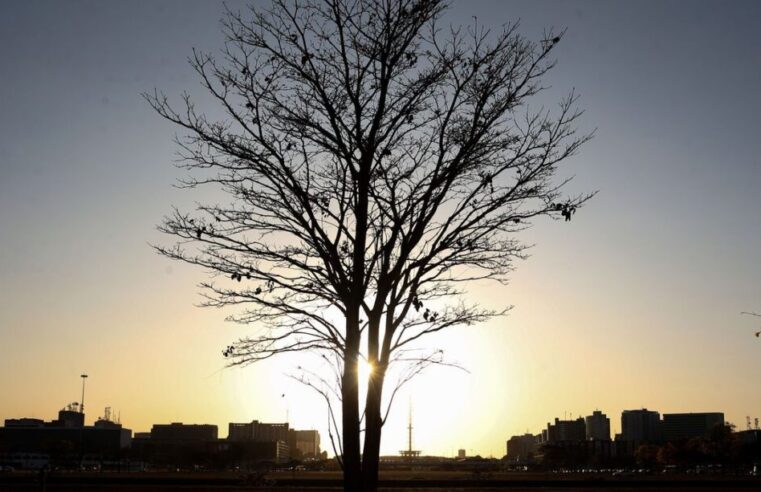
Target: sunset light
pixel 540 218
pixel 364 369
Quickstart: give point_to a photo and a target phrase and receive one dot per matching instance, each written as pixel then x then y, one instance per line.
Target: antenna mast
pixel 409 452
pixel 409 431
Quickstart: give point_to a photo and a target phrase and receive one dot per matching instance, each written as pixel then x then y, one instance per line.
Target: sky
pixel 635 303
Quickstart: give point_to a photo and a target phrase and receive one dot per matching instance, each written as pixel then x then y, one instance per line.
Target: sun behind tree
pixel 376 163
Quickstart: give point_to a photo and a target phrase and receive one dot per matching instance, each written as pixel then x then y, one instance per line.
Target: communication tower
pixel 409 453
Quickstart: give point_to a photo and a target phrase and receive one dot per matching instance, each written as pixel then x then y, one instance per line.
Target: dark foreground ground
pixel 392 481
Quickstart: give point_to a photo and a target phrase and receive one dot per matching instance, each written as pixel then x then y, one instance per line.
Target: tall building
pixel 597 427
pixel 683 426
pixel 566 431
pixel 640 426
pixel 520 449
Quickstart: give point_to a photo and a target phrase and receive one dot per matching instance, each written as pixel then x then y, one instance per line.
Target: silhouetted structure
pixel 251 454
pixel 565 443
pixel 566 431
pixel 64 440
pixel 304 443
pixel 178 444
pixel 521 449
pixel 70 417
pixel 682 426
pixel 640 426
pixel 180 433
pixel 290 443
pixel 597 427
pixel 750 436
pixel 24 422
pixel 679 441
pixel 257 432
pixel 409 452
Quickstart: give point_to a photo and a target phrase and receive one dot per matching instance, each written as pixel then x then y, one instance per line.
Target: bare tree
pixel 376 163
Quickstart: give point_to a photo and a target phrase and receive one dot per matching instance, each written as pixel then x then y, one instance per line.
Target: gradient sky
pixel 635 303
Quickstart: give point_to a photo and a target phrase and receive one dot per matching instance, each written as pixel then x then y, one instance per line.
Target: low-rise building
pixel 65 439
pixel 683 426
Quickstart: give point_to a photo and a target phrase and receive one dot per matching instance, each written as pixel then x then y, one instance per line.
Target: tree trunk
pixel 352 466
pixel 373 428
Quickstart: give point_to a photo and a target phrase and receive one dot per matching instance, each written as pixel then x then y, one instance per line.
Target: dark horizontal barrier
pixel 139 481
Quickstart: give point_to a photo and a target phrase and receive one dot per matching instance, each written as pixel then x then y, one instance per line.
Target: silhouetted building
pixel 304 443
pixel 65 439
pixel 521 449
pixel 249 453
pixel 183 433
pixel 288 443
pixel 750 436
pixel 597 427
pixel 640 426
pixel 178 444
pixel 683 426
pixel 24 422
pixel 257 432
pixel 240 432
pixel 271 432
pixel 461 453
pixel 70 419
pixel 593 453
pixel 566 431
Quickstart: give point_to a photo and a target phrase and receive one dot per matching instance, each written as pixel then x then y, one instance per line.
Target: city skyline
pixel 646 284
pixel 590 422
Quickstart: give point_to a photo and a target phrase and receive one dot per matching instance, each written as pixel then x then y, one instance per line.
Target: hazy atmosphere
pixel 635 303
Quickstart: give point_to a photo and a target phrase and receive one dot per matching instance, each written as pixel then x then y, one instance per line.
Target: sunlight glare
pixel 364 370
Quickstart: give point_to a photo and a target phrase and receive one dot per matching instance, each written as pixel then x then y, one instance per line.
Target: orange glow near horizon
pixel 635 303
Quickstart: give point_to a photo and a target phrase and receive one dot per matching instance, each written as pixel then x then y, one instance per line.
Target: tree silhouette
pixel 375 163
